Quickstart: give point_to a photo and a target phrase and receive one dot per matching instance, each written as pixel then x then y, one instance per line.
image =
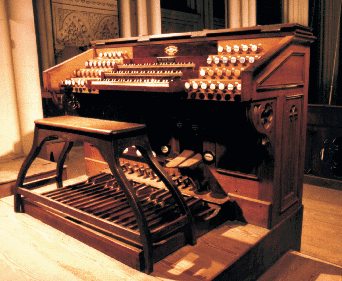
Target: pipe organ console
pixel 225 112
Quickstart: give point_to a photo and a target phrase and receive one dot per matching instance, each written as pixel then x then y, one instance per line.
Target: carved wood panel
pixel 291 132
pixel 78 22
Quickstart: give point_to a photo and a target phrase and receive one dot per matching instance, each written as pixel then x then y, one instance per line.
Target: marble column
pixel 125 18
pixel 45 43
pixel 208 14
pixel 25 67
pixel 248 9
pixel 241 13
pixel 43 40
pixel 10 141
pixel 296 11
pixel 155 17
pixel 142 17
pixel 49 32
pixel 139 18
pixel 234 13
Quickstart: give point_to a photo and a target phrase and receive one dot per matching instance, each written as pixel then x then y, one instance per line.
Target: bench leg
pixel 146 151
pixel 111 153
pixel 60 162
pixel 36 147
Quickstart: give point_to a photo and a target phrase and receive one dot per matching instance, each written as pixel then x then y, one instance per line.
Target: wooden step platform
pixel 297 266
pixel 9 169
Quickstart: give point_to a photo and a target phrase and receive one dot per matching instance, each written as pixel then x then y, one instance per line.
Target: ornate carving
pixel 102 4
pixel 78 25
pixel 171 50
pixel 73 32
pixel 108 28
pixel 267 116
pixel 293 113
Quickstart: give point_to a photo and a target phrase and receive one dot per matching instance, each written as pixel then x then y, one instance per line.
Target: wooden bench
pixel 111 139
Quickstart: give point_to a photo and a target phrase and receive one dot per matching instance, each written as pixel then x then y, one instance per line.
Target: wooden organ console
pixel 225 112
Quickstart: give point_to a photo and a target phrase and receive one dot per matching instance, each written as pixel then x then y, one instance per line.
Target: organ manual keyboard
pixel 225 112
